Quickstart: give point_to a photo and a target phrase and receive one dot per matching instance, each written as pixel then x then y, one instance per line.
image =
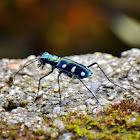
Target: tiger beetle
pixel 66 66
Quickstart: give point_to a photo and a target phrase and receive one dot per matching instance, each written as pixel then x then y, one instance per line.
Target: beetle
pixel 66 66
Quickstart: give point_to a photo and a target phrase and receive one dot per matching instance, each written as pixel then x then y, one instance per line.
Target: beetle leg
pixel 105 74
pixel 44 77
pixel 90 91
pixel 59 89
pixel 40 80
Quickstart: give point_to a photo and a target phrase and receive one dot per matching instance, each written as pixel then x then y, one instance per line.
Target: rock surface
pixel 17 104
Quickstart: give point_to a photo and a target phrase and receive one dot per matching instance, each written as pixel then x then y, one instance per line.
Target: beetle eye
pixel 41 59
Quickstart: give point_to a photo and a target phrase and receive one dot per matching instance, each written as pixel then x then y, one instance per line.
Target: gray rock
pixel 17 101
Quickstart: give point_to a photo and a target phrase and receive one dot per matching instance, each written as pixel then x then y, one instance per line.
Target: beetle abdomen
pixel 73 69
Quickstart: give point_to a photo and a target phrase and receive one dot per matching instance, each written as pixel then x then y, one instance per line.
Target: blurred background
pixel 68 27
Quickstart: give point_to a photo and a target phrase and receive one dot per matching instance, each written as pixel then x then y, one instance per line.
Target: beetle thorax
pixel 48 58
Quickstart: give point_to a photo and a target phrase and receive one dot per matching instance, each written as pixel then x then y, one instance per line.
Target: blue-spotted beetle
pixel 67 67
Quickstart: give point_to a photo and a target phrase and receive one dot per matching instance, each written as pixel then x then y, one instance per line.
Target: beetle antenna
pixel 25 65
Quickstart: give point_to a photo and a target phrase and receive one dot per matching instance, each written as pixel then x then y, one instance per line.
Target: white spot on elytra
pixel 64 65
pixel 73 69
pixel 82 73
